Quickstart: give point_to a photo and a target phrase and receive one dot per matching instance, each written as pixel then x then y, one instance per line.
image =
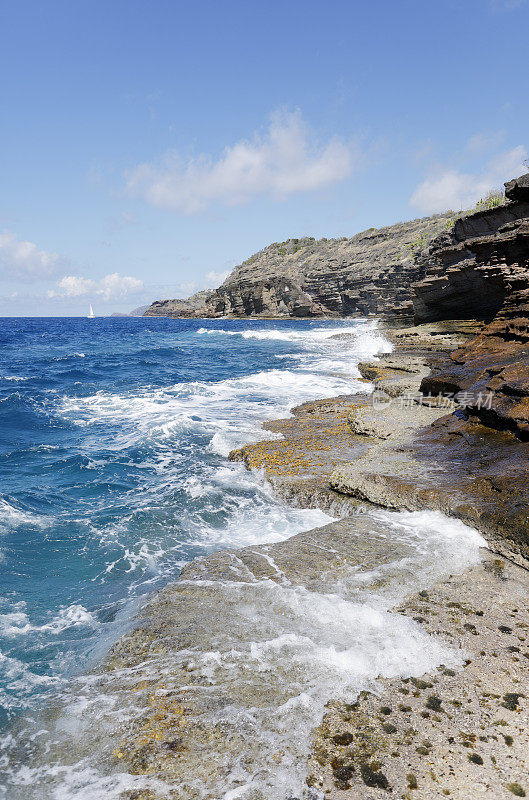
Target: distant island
pixel 136 312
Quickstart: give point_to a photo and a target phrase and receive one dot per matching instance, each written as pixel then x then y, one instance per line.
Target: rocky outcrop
pixel 518 188
pixel 481 270
pixel 478 268
pixel 368 274
pixel 453 731
pixel 429 452
pixel 194 306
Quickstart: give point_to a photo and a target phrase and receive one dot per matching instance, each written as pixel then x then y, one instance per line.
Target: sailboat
pixel 91 314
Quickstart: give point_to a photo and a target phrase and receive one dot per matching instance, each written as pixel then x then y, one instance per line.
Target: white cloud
pixel 23 260
pixel 70 286
pixel 109 287
pixel 452 189
pixel 116 285
pixel 214 279
pixel 282 162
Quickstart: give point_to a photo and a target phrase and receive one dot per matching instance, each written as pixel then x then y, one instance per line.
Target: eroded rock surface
pixel 425 451
pixel 481 270
pixel 459 734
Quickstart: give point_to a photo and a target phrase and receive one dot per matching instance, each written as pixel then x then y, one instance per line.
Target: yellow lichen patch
pixel 163 725
pixel 167 718
pixel 311 446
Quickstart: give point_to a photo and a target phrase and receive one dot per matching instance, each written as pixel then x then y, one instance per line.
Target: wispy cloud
pixel 454 189
pixel 215 279
pixel 23 260
pixel 507 5
pixel 284 161
pixel 484 142
pixel 109 288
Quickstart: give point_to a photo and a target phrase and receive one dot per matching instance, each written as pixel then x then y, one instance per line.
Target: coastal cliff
pixel 480 270
pixel 368 274
pixel 449 266
pixel 266 672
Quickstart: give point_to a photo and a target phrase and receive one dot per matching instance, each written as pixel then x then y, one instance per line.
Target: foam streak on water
pixel 114 477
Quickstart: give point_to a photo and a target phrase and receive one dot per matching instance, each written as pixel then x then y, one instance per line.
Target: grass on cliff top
pixel 494 199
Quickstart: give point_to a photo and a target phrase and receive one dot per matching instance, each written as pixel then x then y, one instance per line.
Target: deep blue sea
pixel 113 474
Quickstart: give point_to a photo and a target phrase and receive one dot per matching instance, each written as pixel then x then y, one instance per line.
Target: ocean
pixel 113 442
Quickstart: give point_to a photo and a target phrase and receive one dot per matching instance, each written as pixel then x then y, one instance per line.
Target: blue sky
pixel 148 147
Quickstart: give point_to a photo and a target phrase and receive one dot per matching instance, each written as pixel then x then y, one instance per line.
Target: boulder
pixel 518 188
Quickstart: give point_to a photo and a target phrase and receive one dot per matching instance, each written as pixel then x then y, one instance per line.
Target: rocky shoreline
pixel 452 733
pixel 459 731
pixel 443 427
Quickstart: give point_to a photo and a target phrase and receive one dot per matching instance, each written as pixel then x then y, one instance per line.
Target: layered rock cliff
pixel 370 273
pixel 471 266
pixel 480 267
pixel 481 270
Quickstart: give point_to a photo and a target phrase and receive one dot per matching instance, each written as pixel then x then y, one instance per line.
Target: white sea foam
pixel 284 334
pixel 248 514
pixel 15 621
pixel 232 410
pixel 323 349
pixel 12 517
pixel 73 616
pixel 19 683
pixel 280 652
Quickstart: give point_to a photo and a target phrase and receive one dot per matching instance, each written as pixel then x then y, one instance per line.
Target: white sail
pixel 91 314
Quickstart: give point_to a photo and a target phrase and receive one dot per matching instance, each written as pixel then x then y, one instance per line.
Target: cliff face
pixel 438 268
pixel 194 306
pixel 481 270
pixel 370 273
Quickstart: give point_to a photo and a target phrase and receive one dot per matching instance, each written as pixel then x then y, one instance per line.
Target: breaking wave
pixel 115 478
